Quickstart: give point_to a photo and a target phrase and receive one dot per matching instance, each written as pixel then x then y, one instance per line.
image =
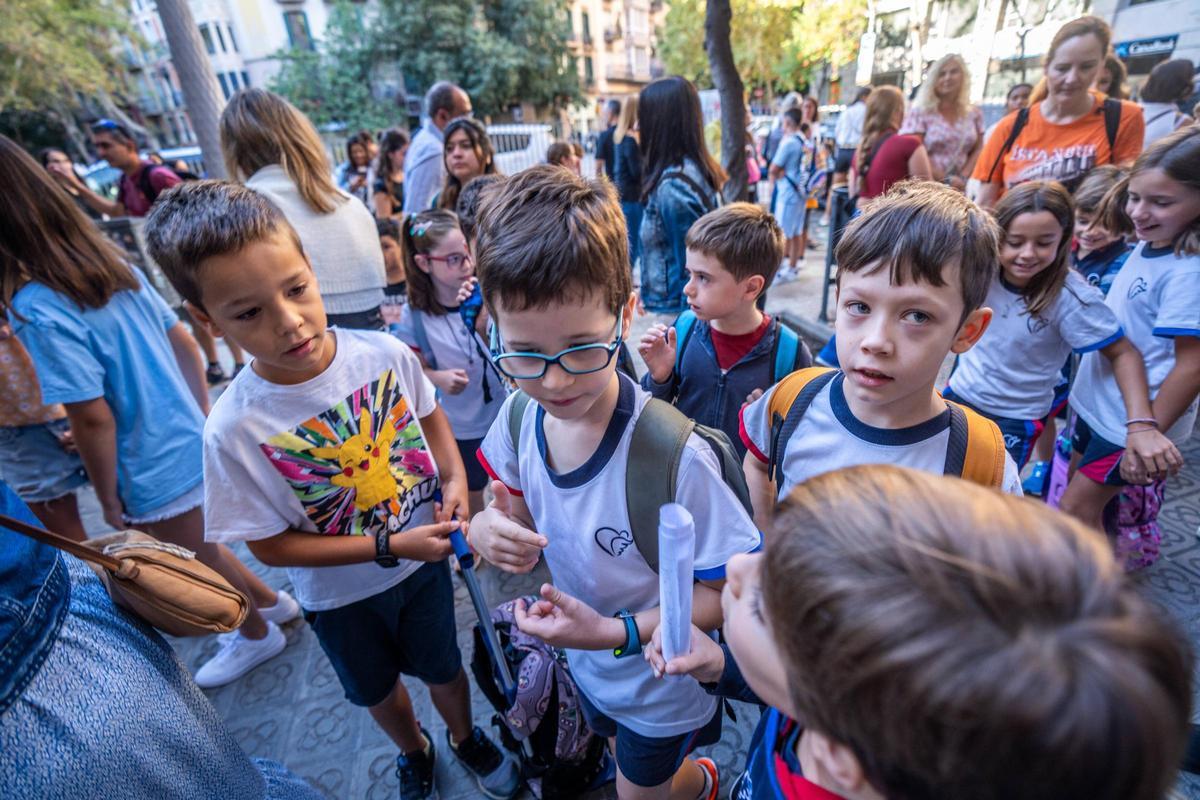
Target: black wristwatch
pixel 383 550
pixel 633 641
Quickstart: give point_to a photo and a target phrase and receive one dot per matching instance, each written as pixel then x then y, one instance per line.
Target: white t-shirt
pixel 1156 297
pixel 276 457
pixel 830 437
pixel 592 556
pixel 455 347
pixel 1013 368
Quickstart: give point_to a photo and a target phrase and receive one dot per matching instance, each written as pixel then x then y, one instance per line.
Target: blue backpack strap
pixel 418 327
pixel 685 323
pixel 787 348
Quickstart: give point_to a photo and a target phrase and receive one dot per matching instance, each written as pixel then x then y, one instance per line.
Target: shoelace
pixel 478 753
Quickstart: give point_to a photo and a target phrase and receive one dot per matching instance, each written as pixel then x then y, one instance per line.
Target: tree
pixel 196 80
pixel 52 52
pixel 717 45
pixel 823 37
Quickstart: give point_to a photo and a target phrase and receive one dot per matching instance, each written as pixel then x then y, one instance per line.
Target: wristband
pixel 633 642
pixel 1142 421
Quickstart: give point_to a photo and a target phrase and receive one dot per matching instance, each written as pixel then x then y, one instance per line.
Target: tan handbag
pixel 164 584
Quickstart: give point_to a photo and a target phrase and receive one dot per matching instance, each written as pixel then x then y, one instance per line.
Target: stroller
pixel 538 712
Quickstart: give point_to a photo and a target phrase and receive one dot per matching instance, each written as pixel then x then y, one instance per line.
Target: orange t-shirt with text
pixel 1044 151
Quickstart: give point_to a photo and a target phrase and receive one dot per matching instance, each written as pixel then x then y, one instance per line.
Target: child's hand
pixel 450 381
pixel 67 442
pixel 454 503
pixel 1149 456
pixel 750 398
pixel 464 291
pixel 560 620
pixel 501 539
pixel 657 349
pixel 424 542
pixel 705 663
pixel 114 513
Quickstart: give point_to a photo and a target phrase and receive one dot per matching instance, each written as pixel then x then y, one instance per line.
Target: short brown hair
pixel 198 220
pixel 970 644
pixel 1097 183
pixel 743 237
pixel 917 230
pixel 546 235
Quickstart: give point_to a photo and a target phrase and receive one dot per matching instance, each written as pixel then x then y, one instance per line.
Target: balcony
pixel 624 73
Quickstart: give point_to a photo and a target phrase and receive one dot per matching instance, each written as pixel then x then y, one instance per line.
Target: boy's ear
pixel 203 319
pixel 754 286
pixel 839 763
pixel 630 306
pixel 972 328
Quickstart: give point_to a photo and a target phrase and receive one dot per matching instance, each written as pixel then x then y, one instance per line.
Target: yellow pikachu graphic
pixel 364 463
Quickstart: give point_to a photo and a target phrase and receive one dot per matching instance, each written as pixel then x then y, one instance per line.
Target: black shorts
pixel 408 629
pixel 649 760
pixel 841 162
pixel 477 477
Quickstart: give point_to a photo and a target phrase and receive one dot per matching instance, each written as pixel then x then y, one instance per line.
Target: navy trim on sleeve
pixel 1100 345
pixel 1171 333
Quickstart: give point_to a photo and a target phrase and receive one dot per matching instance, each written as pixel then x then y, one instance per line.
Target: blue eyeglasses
pixel 579 360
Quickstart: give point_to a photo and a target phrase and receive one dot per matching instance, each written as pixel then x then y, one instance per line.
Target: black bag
pixel 146 186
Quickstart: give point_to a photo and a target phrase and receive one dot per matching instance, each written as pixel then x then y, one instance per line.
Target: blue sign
pixel 1155 45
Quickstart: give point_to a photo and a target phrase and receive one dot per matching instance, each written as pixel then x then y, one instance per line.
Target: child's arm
pixel 1153 454
pixel 1182 383
pixel 711 664
pixel 504 532
pixel 191 364
pixel 95 432
pixel 762 490
pixel 293 548
pixel 440 440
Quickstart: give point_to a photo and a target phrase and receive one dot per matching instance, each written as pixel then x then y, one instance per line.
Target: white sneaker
pixel 285 609
pixel 238 655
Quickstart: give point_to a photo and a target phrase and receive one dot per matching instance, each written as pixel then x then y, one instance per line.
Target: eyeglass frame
pixel 466 258
pixel 610 349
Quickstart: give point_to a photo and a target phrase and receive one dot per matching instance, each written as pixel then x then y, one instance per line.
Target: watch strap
pixel 633 642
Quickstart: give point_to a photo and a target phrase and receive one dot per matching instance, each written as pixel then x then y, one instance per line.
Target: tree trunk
pixel 196 79
pixel 733 96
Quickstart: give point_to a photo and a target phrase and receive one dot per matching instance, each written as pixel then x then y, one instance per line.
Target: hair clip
pixel 419 228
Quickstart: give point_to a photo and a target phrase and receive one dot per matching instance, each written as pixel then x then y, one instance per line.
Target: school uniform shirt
pixel 830 437
pixel 592 556
pixel 1156 297
pixel 1013 368
pixel 455 347
pixel 1100 267
pixel 119 352
pixel 341 454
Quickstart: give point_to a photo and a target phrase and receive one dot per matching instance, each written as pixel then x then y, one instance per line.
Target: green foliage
pixel 775 44
pixel 333 84
pixel 53 51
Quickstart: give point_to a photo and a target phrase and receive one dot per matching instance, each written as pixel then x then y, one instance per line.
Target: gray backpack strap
pixel 516 414
pixel 418 327
pixel 652 471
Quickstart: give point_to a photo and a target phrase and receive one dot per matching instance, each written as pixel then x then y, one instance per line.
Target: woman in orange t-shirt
pixel 1065 135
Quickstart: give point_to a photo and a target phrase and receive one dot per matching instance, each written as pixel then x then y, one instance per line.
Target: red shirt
pixel 130 194
pixel 889 165
pixel 731 349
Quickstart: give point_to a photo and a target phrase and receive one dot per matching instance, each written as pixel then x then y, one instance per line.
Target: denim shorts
pixel 650 760
pixel 35 464
pixel 408 629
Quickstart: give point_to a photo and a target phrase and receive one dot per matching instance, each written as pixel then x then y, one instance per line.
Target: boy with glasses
pixel 561 299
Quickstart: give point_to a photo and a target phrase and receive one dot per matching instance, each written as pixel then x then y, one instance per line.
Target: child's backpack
pixel 975 451
pixel 565 758
pixel 788 354
pixel 652 471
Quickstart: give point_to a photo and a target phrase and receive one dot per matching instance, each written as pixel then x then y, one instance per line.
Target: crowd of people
pixel 425 347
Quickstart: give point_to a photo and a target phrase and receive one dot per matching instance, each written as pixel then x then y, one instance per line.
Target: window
pixel 296 23
pixel 232 41
pixel 220 37
pixel 245 79
pixel 206 35
pixel 587 28
pixel 589 71
pixel 233 81
pixel 224 84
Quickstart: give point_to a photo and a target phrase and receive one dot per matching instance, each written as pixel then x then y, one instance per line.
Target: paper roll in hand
pixel 676 550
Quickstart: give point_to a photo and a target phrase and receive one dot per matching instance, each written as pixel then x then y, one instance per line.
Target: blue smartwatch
pixel 633 642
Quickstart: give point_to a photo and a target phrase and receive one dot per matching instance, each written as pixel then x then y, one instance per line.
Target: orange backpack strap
pixel 975 451
pixel 789 400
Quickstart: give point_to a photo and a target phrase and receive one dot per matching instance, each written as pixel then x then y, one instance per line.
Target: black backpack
pixel 1112 123
pixel 146 186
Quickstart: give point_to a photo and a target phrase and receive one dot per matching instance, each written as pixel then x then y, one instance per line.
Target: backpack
pixel 695 187
pixel 975 451
pixel 788 354
pixel 1112 124
pixel 652 471
pixel 146 186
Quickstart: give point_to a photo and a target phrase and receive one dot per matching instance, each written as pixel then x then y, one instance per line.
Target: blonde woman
pixel 943 118
pixel 627 172
pixel 274 149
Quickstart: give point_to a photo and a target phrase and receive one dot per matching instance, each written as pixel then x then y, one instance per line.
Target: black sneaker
pixel 496 775
pixel 415 771
pixel 214 374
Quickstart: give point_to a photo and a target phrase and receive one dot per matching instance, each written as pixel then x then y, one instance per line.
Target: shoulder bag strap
pixel 77 549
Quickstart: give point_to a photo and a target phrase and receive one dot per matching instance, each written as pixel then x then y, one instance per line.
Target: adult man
pixel 424 167
pixel 141 181
pixel 605 154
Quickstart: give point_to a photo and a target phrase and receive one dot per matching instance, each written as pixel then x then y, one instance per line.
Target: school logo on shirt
pixel 359 465
pixel 613 542
pixel 1037 324
pixel 1138 286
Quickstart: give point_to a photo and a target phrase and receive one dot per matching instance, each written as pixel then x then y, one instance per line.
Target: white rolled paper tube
pixel 676 553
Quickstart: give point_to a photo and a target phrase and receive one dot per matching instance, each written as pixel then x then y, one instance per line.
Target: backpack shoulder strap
pixel 685 325
pixel 1112 121
pixel 146 186
pixel 1018 126
pixel 790 399
pixel 695 187
pixel 652 471
pixel 422 337
pixel 516 415
pixel 787 351
pixel 975 451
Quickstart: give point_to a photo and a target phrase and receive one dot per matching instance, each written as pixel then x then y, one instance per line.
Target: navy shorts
pixel 649 760
pixel 1100 459
pixel 407 629
pixel 1019 434
pixel 841 162
pixel 477 477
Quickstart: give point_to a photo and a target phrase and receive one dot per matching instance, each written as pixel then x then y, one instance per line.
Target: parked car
pixel 518 146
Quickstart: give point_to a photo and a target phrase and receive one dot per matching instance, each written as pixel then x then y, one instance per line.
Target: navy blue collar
pixel 1008 286
pixel 1157 252
pixel 886 436
pixel 598 460
pixel 1103 255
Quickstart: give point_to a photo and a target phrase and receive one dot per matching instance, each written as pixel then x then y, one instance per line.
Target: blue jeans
pixel 633 224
